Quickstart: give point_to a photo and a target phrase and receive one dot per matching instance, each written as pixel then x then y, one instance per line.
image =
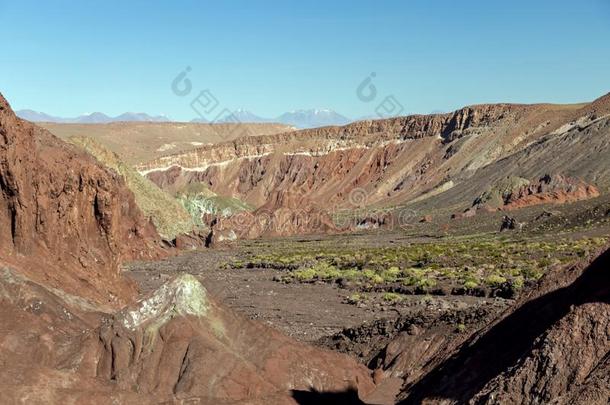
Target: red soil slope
pixel 67 224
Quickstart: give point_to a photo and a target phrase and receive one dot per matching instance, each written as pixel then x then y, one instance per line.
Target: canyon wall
pixel 380 163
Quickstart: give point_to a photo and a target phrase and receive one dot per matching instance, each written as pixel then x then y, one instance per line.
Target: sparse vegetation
pixel 461 266
pixel 392 297
pixel 495 280
pixel 355 299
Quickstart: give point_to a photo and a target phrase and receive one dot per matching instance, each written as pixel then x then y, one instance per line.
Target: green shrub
pixel 238 264
pixel 517 283
pixel 414 276
pixel 390 274
pixel 351 274
pixel 305 274
pixel 392 297
pixel 354 298
pixel 425 283
pixel 325 271
pixel 495 280
pixel 371 276
pixel 531 273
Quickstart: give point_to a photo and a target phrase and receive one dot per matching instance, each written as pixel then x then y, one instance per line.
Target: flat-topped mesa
pixel 361 134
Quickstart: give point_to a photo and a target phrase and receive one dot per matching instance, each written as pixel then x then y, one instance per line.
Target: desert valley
pixel 397 203
pixel 442 258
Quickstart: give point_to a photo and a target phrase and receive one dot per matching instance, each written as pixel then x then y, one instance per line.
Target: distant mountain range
pixel 245 116
pixel 313 118
pixel 93 118
pixel 299 118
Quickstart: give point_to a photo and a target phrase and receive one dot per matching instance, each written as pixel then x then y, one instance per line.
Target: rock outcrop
pixel 286 213
pixel 513 193
pixel 169 217
pixel 509 224
pixel 549 189
pixel 66 221
pixel 178 343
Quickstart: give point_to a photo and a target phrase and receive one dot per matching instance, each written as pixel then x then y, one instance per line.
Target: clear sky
pixel 70 57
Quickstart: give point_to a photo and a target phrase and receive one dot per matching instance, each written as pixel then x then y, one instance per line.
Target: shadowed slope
pixel 542 350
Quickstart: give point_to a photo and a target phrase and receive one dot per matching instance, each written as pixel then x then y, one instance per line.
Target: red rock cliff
pixel 66 221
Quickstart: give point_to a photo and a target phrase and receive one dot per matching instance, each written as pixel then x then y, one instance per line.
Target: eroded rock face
pixel 391 161
pixel 65 219
pixel 286 213
pixel 320 141
pixel 549 189
pixel 386 157
pixel 512 193
pixel 178 343
pixel 69 222
pixel 170 218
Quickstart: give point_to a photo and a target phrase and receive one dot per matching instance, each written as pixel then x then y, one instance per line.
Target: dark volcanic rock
pixel 509 224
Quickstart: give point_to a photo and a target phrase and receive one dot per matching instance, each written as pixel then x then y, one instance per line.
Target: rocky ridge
pixel 391 162
pixel 168 215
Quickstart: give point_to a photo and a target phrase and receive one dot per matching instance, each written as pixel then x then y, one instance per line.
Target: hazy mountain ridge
pixel 302 119
pixel 92 118
pixel 313 118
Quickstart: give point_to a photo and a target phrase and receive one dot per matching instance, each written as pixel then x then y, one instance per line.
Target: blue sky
pixel 67 58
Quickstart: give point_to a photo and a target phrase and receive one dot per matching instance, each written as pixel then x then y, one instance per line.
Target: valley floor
pixel 306 312
pixel 265 280
pixel 368 293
